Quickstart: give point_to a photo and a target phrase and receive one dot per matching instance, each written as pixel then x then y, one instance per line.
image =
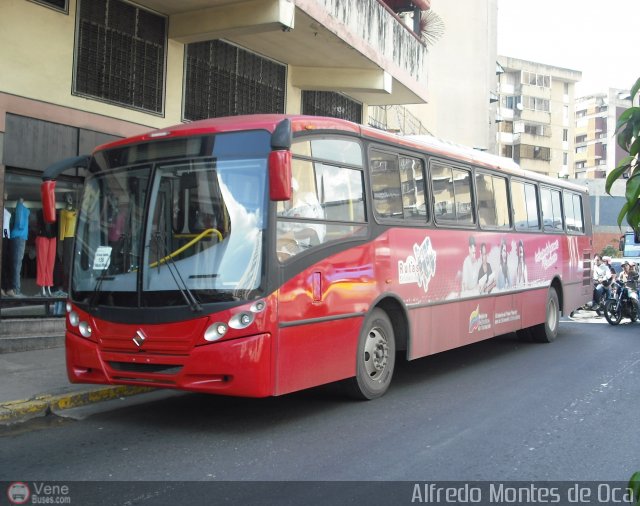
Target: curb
pixel 44 404
pixel 30 343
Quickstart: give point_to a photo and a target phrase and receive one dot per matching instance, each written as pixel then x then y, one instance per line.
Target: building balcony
pixel 360 48
pixel 506 114
pixel 537 140
pixel 506 138
pixel 541 117
pixel 535 91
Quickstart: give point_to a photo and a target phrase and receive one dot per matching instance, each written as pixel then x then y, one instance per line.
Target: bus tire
pixel 548 331
pixel 375 359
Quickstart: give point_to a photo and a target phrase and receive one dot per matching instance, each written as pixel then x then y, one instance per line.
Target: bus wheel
pixel 375 359
pixel 548 331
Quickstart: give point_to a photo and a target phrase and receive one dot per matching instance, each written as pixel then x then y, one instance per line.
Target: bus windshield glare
pixel 174 230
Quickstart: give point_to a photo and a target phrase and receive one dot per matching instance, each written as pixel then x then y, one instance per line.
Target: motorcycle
pixel 600 304
pixel 624 303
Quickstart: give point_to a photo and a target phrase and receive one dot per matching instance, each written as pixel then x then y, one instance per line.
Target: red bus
pixel 260 255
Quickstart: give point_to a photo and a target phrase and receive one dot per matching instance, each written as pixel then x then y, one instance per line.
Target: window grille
pixel 59 5
pixel 120 54
pixel 329 103
pixel 225 80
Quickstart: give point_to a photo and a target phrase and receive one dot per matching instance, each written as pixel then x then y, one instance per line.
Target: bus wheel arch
pixel 397 313
pixel 383 330
pixel 556 284
pixel 547 331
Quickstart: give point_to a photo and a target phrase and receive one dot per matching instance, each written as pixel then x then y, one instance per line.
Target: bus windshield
pixel 172 232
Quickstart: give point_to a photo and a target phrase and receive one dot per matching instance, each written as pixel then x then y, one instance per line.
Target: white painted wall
pixel 461 68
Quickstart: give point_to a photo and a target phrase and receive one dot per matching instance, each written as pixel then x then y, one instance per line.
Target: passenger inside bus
pixel 295 237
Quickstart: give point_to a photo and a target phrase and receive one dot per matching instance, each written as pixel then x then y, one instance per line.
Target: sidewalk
pixel 34 383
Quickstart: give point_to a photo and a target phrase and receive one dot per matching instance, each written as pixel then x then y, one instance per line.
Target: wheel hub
pixel 376 353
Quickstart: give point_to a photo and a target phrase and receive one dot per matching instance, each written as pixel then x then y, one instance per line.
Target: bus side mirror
pixel 621 244
pixel 280 175
pixel 47 193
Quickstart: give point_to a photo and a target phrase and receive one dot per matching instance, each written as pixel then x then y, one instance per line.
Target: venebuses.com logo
pixel 18 493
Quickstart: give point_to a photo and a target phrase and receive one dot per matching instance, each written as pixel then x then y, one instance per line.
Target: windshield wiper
pixel 96 289
pixel 186 293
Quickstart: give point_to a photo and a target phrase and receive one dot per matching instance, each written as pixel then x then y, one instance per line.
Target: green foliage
pixel 610 251
pixel 634 485
pixel 628 138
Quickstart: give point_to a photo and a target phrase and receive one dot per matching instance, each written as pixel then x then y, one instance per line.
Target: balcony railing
pixel 383 31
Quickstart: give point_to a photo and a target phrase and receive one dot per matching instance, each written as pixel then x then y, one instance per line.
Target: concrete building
pixel 462 93
pixel 536 112
pixel 78 73
pixel 597 151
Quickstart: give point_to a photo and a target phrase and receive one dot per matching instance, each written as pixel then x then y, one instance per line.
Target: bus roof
pixel 301 123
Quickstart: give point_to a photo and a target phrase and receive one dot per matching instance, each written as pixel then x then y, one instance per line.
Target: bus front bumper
pixel 240 367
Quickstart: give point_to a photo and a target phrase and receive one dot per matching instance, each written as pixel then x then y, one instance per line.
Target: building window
pixel 565 158
pixel 59 5
pixel 537 129
pixel 565 134
pixel 329 103
pixel 120 54
pixel 532 152
pixel 225 80
pixel 507 127
pixel 510 102
pixel 535 103
pixel 534 79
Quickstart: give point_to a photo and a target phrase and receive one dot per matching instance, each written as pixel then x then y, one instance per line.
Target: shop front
pixel 36 255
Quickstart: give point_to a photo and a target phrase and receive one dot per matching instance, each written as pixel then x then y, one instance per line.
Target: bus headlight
pixel 74 319
pixel 215 331
pixel 258 307
pixel 69 307
pixel 85 329
pixel 241 320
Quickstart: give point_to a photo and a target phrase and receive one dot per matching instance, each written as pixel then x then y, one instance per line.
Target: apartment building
pixel 596 149
pixel 78 73
pixel 536 111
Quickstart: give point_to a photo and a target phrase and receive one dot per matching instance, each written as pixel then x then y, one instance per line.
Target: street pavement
pixel 35 383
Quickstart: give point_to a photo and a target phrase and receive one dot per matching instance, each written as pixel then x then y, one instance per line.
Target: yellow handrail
pixel 207 233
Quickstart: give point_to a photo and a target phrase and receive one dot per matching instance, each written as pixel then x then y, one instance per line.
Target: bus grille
pixel 146 368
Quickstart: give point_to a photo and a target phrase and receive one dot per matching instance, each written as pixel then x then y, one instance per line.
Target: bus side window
pixel 412 187
pixel 525 206
pixel 385 183
pixel 452 194
pixel 493 199
pixel 573 212
pixel 551 209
